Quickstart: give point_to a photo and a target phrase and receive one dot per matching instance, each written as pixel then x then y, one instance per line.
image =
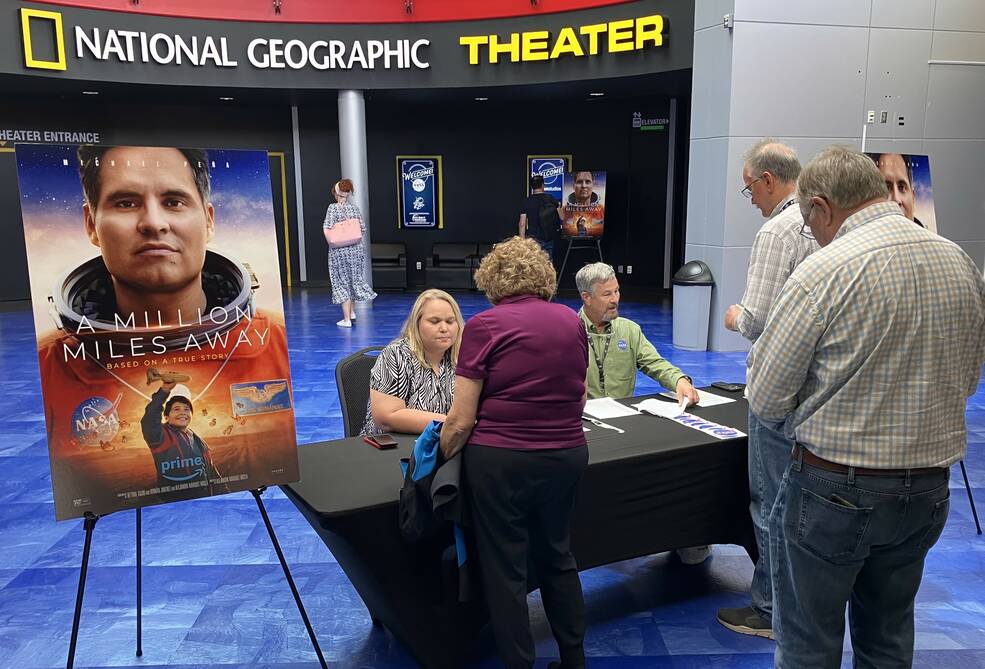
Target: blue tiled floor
pixel 214 595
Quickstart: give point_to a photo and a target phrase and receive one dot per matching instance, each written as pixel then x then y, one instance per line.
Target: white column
pixel 353 158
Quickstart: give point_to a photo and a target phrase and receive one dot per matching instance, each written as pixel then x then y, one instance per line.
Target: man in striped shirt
pixel 770 175
pixel 867 359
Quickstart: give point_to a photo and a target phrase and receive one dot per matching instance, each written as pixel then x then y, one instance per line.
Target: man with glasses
pixel 868 359
pixel 770 174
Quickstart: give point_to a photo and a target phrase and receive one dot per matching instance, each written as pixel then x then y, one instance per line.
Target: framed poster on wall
pixel 155 285
pixel 419 192
pixel 552 168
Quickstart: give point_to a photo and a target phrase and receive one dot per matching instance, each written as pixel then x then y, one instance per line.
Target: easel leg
pixel 89 526
pixel 140 648
pixel 971 500
pixel 598 245
pixel 287 573
pixel 564 263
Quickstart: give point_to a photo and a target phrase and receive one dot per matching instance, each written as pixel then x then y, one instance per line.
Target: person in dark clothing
pixel 539 218
pixel 522 464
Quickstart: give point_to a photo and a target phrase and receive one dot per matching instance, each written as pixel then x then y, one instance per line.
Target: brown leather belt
pixel 815 461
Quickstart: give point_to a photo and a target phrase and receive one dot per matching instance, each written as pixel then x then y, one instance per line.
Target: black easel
pixel 140 648
pixel 89 525
pixel 280 555
pixel 971 500
pixel 287 573
pixel 592 243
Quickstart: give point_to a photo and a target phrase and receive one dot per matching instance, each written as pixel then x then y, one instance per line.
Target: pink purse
pixel 344 233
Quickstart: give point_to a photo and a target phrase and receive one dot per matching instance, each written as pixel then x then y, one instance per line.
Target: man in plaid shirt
pixel 867 360
pixel 770 175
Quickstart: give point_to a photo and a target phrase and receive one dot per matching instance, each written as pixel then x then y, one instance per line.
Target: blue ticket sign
pixel 552 168
pixel 419 189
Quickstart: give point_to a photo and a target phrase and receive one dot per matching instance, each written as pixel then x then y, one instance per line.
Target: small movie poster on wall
pixel 907 177
pixel 583 204
pixel 156 291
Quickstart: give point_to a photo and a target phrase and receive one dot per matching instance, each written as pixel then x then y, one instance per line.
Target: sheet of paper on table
pixel 604 408
pixel 705 399
pixel 658 408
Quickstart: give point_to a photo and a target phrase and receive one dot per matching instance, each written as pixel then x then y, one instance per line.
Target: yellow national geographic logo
pixel 56 19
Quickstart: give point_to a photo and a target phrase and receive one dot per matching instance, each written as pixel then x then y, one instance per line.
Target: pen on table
pixel 683 405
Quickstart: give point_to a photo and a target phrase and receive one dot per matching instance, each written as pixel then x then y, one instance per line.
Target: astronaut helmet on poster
pixel 583 204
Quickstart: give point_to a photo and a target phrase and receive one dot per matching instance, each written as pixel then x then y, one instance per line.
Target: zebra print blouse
pixel 399 374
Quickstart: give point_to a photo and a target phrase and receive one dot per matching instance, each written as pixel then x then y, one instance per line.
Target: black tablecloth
pixel 658 486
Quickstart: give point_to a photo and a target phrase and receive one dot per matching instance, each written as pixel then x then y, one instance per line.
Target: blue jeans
pixel 547 245
pixel 850 539
pixel 769 456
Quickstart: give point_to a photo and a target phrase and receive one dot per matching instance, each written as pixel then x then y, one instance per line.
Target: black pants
pixel 521 502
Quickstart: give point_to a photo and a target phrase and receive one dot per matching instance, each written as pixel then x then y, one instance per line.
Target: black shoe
pixel 745 621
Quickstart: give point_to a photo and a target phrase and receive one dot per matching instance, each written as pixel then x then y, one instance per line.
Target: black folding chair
pixel 352 380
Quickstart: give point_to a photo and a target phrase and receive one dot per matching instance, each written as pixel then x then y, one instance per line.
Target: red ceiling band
pixel 339 11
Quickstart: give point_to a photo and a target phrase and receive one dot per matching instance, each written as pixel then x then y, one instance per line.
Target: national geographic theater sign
pixel 96 45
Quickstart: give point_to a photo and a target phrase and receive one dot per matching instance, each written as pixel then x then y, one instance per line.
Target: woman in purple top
pixel 519 395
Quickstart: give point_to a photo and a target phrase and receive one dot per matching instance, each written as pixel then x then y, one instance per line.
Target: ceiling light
pixel 481 99
pixel 90 92
pixel 596 95
pixel 227 99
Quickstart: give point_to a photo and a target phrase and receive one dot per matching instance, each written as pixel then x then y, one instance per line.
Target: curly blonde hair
pixel 516 267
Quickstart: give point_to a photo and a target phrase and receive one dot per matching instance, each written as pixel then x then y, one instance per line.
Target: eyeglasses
pixel 747 191
pixel 805 230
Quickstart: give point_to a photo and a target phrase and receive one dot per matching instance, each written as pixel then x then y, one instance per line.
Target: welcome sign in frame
pixel 420 193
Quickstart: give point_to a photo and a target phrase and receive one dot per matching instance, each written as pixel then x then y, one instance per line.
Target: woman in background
pixel 347 265
pixel 413 380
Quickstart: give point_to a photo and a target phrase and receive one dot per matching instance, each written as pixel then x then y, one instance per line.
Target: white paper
pixel 658 408
pixel 606 407
pixel 705 399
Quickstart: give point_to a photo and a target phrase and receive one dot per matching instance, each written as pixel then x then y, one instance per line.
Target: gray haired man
pixel 868 358
pixel 770 176
pixel 617 348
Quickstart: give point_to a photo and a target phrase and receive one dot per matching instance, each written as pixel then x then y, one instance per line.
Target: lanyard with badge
pixel 600 359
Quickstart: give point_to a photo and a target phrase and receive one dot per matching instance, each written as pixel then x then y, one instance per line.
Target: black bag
pixel 415 511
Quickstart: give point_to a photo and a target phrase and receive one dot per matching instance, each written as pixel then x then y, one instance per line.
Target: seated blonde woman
pixel 413 380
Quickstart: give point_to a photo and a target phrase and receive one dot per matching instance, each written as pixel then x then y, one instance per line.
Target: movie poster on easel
pixel 583 206
pixel 155 286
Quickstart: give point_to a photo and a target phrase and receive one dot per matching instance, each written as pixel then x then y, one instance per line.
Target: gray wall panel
pixel 903 13
pixel 958 46
pixel 956 102
pixel 705 196
pixel 896 81
pixel 808 92
pixel 829 12
pixel 709 95
pixel 710 13
pixel 958 174
pixel 960 15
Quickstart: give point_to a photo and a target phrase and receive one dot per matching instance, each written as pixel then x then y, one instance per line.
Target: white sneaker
pixel 344 323
pixel 353 316
pixel 694 555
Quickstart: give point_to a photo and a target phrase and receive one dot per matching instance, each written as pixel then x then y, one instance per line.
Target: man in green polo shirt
pixel 617 348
